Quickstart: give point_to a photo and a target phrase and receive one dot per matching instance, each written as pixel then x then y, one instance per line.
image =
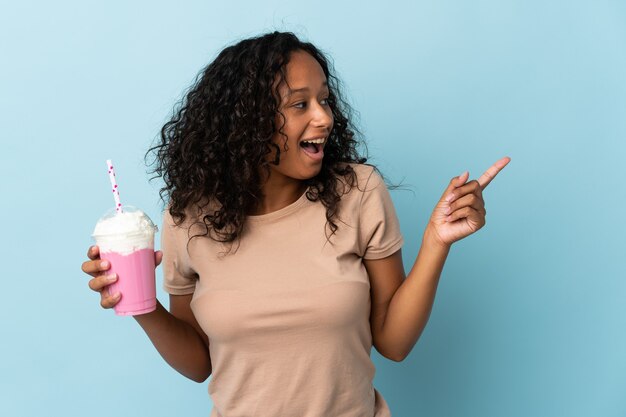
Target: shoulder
pixel 193 222
pixel 366 179
pixel 357 188
pixel 362 172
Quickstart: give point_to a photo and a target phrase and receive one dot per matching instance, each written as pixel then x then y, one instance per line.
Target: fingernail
pixel 104 264
pixel 462 174
pixel 449 197
pixel 112 277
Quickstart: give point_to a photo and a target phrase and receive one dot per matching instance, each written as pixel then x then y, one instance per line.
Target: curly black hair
pixel 217 140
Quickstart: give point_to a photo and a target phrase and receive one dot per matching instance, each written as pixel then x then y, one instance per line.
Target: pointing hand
pixel 461 209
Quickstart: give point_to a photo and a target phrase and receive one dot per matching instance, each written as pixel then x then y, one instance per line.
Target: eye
pixel 302 104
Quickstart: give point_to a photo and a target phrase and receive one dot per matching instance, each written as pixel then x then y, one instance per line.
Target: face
pixel 308 118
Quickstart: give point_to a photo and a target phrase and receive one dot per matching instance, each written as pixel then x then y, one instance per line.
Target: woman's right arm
pixel 175 334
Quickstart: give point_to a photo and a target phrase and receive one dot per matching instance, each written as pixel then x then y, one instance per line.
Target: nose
pixel 322 117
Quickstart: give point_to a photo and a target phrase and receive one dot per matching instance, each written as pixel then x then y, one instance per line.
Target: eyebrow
pixel 299 90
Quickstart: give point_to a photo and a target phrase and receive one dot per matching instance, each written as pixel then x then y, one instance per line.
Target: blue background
pixel 530 316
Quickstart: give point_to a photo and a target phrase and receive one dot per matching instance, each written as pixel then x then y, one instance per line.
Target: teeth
pixel 314 141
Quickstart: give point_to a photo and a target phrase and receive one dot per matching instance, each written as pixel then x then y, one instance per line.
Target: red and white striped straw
pixel 116 191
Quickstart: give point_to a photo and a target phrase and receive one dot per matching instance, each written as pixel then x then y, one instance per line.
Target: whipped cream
pixel 125 232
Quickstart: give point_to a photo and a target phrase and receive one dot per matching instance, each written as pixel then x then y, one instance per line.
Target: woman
pixel 280 247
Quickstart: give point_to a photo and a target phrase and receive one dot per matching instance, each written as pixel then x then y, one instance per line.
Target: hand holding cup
pixel 125 248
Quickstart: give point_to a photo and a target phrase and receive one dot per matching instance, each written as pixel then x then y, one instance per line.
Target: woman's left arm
pixel 401 307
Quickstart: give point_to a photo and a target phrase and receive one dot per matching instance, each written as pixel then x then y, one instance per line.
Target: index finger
pixel 95 267
pixel 491 173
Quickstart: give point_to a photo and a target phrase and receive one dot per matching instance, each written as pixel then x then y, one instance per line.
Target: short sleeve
pixel 379 228
pixel 178 277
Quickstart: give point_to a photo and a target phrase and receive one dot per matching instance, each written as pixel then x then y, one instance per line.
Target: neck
pixel 279 193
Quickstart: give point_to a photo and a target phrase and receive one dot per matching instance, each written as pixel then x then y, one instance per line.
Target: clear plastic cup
pixel 126 240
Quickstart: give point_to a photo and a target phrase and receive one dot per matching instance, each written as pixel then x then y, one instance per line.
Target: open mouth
pixel 311 148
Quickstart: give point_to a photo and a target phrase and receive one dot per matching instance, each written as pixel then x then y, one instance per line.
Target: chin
pixel 314 171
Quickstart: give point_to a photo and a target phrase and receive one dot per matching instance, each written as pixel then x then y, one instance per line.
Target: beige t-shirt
pixel 287 315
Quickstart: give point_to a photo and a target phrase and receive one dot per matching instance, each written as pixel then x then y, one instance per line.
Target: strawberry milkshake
pixel 126 240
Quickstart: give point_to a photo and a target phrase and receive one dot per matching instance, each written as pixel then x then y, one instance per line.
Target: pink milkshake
pixel 126 240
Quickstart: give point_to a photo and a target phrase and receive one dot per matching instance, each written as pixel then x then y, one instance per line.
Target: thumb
pixel 158 257
pixel 462 179
pixel 455 183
